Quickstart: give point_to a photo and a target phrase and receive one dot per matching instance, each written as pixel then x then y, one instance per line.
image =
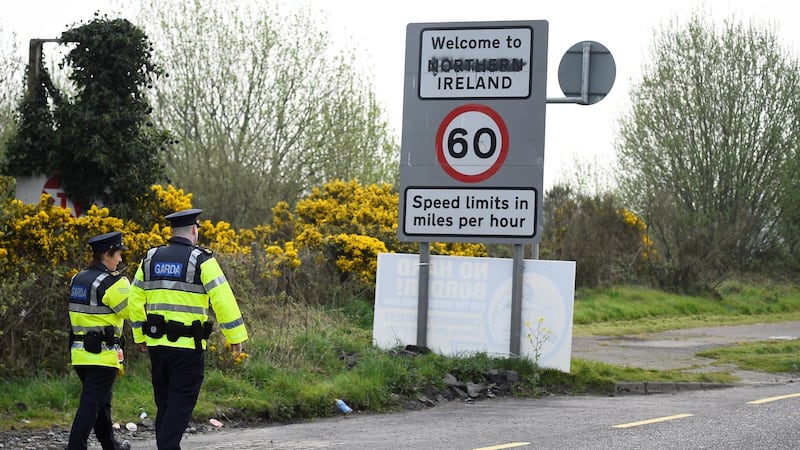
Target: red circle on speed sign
pixel 472 143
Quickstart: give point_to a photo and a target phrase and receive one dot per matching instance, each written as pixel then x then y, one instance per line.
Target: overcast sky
pixel 377 30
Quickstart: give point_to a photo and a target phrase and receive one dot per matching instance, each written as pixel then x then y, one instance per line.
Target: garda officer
pixel 98 300
pixel 169 303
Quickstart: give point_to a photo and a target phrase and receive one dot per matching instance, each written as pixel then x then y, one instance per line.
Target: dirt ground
pixel 677 349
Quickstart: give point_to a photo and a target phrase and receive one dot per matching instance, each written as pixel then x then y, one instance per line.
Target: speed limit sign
pixel 472 143
pixel 472 147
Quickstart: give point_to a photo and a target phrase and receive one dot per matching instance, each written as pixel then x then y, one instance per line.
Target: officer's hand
pixel 236 349
pixel 143 347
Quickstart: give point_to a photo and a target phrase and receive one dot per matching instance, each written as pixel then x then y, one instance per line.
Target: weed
pixel 537 338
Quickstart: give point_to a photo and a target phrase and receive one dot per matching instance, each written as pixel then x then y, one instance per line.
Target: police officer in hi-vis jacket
pixel 169 303
pixel 98 300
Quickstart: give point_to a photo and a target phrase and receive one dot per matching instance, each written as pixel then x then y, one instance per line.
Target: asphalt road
pixel 699 419
pixel 713 419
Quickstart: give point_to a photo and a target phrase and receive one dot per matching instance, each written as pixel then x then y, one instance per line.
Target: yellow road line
pixel 502 446
pixel 649 421
pixel 772 399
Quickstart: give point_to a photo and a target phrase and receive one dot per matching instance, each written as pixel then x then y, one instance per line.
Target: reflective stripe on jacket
pixel 178 281
pixel 98 298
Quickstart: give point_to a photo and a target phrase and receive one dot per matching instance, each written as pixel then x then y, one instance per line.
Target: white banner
pixel 469 308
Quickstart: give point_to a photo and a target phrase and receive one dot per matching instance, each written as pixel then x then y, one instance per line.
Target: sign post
pixel 472 152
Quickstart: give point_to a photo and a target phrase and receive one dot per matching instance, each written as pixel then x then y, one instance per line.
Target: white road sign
pixel 470 212
pixel 475 63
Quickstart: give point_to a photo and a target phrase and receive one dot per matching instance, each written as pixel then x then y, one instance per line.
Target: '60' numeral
pixel 458 146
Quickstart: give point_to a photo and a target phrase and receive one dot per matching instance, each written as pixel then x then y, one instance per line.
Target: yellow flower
pixel 240 357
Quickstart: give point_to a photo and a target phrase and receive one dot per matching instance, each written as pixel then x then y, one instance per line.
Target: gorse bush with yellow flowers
pixel 325 250
pixel 322 252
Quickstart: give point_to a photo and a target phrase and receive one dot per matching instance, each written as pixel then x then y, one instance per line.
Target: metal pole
pixel 587 53
pixel 422 293
pixel 577 100
pixel 516 300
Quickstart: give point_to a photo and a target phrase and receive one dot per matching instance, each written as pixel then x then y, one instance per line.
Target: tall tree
pixel 97 137
pixel 11 68
pixel 262 106
pixel 713 127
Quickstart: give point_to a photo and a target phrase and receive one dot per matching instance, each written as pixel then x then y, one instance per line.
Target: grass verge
pixel 625 310
pixel 260 393
pixel 778 356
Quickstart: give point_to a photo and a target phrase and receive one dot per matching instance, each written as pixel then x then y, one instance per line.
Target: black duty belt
pixel 93 340
pixel 156 327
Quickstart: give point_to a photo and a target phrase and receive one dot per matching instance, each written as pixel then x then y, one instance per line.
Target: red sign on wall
pixel 30 189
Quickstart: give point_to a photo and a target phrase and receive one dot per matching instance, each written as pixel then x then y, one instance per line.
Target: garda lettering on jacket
pixel 79 292
pixel 168 269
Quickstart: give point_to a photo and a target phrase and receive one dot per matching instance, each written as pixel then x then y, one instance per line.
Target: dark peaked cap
pixel 183 218
pixel 106 242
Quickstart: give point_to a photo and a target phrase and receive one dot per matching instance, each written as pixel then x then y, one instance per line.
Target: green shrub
pixel 609 243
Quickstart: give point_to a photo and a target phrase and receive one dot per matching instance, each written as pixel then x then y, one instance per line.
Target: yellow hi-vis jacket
pixel 177 281
pixel 98 298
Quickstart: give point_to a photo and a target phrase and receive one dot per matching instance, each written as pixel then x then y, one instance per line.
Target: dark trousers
pixel 177 375
pixel 94 410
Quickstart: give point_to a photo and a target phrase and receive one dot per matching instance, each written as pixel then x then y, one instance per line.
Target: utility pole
pixel 35 62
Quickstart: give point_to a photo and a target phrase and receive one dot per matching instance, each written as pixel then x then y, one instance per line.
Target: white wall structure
pixel 30 190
